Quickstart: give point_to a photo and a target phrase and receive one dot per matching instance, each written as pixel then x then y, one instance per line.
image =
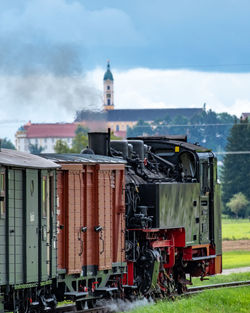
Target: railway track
pixel 72 308
pixel 191 291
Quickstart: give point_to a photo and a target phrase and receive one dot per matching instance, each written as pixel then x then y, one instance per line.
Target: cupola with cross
pixel 108 89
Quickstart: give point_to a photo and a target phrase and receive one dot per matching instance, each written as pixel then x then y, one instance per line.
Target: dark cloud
pixel 210 36
pixel 202 35
pixel 60 36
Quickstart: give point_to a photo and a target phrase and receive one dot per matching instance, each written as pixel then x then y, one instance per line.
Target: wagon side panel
pixel 74 221
pixel 119 215
pixel 89 218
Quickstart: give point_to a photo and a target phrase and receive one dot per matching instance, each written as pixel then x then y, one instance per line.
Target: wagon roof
pixel 81 158
pixel 10 157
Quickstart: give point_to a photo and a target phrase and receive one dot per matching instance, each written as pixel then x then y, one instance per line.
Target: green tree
pixel 61 147
pixel 236 167
pixel 238 204
pixel 140 129
pixel 207 128
pixel 7 144
pixel 179 125
pixel 80 141
pixel 211 129
pixel 35 149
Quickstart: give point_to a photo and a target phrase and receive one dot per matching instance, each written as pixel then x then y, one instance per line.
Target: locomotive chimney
pixel 99 142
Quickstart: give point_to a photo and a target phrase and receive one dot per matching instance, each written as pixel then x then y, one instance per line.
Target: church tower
pixel 108 89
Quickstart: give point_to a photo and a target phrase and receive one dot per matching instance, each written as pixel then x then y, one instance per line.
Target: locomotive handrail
pixel 204 257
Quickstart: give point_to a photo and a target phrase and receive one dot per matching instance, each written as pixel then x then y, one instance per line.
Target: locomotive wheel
pixel 91 304
pixel 24 306
pixel 81 305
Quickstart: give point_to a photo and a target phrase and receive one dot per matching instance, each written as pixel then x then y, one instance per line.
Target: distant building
pixel 245 116
pixel 119 120
pixel 44 135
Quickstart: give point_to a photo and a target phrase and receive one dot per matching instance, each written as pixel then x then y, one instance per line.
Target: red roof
pixel 50 130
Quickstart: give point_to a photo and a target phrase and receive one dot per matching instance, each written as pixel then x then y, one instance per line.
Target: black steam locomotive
pixel 134 217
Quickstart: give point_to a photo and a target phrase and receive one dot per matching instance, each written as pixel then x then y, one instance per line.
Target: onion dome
pixel 108 75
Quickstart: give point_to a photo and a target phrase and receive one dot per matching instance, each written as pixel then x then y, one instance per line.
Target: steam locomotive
pixel 124 218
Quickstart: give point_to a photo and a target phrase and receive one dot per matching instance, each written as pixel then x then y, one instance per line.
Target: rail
pixel 191 291
pixel 217 286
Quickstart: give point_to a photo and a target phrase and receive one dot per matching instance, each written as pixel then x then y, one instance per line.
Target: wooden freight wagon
pixel 27 231
pixel 91 215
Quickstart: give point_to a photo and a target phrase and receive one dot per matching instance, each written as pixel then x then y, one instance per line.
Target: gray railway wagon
pixel 27 231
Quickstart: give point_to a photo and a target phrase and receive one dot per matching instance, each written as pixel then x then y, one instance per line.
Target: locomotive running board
pixel 200 258
pixel 75 294
pixel 106 289
pixel 128 286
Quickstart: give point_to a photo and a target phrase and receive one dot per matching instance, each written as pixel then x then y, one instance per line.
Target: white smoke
pixel 126 306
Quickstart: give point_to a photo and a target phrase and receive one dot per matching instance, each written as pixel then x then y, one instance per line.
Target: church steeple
pixel 108 89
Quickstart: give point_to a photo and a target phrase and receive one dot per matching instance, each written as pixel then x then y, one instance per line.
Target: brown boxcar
pixel 91 213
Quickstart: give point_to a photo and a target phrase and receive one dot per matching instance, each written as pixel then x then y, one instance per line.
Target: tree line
pixel 236 171
pixel 207 128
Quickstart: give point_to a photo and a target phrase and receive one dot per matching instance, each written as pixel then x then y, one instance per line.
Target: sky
pixel 163 54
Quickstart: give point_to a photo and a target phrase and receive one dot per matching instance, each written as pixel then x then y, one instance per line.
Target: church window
pixel 108 95
pixel 108 87
pixel 108 101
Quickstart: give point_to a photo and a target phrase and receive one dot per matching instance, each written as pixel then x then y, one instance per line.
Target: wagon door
pixel 2 227
pixel 32 227
pixel 15 226
pixel 204 201
pixel 46 227
pixel 61 218
pixel 74 225
pixel 118 214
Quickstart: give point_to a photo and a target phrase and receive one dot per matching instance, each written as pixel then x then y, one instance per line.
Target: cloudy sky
pixel 163 53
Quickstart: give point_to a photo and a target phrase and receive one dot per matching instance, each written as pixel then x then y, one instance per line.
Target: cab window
pixel 205 177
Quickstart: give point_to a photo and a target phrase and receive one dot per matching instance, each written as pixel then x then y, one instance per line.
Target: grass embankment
pixel 217 301
pixel 235 259
pixel 235 229
pixel 218 279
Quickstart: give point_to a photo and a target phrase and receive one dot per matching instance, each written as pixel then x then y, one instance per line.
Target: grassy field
pixel 235 259
pixel 235 229
pixel 217 301
pixel 221 279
